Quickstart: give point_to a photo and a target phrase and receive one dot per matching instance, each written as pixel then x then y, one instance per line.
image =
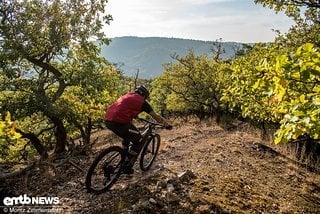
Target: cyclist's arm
pixel 147 108
pixel 159 119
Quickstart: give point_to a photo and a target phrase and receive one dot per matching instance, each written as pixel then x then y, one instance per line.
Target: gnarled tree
pixel 49 63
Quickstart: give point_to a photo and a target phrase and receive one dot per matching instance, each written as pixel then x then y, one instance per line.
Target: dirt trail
pixel 201 168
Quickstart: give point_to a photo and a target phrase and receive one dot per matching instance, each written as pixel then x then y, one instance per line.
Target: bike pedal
pixel 132 153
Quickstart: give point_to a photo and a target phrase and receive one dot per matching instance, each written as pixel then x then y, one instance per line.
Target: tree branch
pixel 18 173
pixel 42 151
pixel 56 73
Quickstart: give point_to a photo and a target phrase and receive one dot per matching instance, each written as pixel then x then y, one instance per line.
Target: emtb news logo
pixel 26 200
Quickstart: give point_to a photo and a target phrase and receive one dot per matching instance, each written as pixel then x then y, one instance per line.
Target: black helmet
pixel 142 90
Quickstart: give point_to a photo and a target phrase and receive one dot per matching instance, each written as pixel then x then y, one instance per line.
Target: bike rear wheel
pixel 105 170
pixel 149 152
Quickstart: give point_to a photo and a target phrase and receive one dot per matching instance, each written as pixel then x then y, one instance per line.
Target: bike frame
pixel 148 131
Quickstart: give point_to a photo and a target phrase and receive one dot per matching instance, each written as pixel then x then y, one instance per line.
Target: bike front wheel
pixel 149 152
pixel 105 170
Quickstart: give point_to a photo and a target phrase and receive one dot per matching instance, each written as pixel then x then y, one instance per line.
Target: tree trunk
pixel 86 141
pixel 299 146
pixel 86 132
pixel 60 134
pixel 218 114
pixel 42 151
pixel 313 150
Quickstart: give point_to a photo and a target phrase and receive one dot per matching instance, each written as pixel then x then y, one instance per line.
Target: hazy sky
pixel 231 20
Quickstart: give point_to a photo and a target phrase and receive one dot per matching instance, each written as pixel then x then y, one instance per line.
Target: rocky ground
pixel 201 168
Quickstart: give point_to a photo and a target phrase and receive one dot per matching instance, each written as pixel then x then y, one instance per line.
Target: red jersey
pixel 125 108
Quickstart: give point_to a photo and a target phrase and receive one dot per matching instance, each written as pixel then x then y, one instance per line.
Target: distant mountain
pixel 150 53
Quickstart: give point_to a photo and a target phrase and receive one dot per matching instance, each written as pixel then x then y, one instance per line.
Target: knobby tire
pixel 150 148
pixel 119 154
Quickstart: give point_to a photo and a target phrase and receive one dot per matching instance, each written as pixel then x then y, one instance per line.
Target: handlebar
pixel 154 124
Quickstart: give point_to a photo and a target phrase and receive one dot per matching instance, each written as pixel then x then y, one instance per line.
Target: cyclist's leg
pixel 125 145
pixel 133 136
pixel 129 133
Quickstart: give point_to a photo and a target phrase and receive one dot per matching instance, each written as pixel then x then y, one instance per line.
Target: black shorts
pixel 127 131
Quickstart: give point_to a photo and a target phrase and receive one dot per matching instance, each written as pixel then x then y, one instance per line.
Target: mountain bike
pixel 109 164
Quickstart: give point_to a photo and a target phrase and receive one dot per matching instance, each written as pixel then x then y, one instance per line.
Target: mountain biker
pixel 120 114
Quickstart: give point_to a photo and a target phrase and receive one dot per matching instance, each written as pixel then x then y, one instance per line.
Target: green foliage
pixel 7 132
pixel 278 87
pixel 276 82
pixel 273 83
pixel 292 78
pixel 10 141
pixel 52 78
pixel 192 84
pixel 297 78
pixel 246 91
pixel 56 86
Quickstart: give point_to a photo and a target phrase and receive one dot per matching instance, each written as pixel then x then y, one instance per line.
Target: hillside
pixel 148 54
pixel 201 168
